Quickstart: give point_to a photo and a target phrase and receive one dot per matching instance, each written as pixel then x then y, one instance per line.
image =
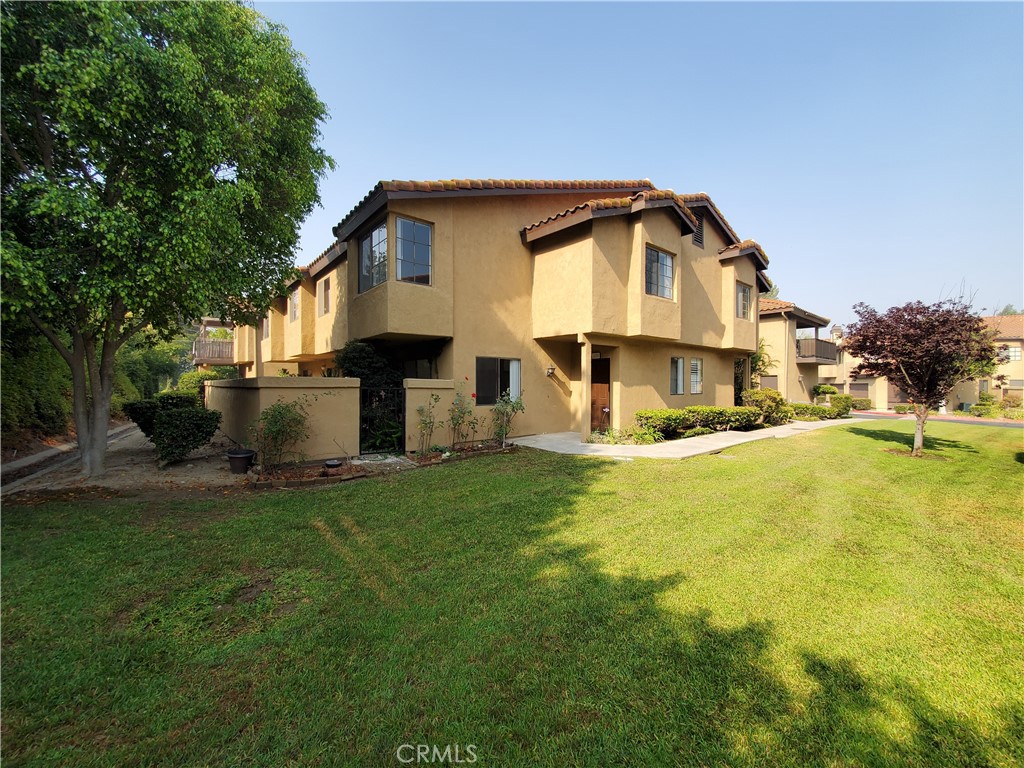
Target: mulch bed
pixel 307 475
pixel 466 452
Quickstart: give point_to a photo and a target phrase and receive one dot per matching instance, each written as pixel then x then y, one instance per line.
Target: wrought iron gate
pixel 381 420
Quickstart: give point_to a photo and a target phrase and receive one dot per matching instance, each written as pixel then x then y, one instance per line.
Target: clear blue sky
pixel 875 150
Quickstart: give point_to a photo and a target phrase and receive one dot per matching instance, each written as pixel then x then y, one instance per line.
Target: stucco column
pixel 586 350
pixel 257 355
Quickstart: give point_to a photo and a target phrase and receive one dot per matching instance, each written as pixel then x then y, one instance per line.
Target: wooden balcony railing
pixel 815 351
pixel 213 351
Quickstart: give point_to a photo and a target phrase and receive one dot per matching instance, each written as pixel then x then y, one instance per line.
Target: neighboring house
pixel 799 361
pixel 884 394
pixel 1009 331
pixel 592 299
pixel 207 350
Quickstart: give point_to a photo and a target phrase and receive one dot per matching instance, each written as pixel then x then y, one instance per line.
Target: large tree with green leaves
pixel 157 160
pixel 924 349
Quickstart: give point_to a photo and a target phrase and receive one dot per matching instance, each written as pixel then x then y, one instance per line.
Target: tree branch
pixel 52 337
pixel 14 151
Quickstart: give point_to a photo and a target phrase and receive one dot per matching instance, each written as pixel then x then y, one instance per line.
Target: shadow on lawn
pixel 939 444
pixel 501 628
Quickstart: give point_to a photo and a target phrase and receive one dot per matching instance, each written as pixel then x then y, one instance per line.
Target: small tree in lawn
pixel 924 349
pixel 157 160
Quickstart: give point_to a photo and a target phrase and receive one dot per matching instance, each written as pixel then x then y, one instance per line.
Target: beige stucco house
pixel 799 360
pixel 592 299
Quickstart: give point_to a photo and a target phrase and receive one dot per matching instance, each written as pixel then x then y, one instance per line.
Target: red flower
pixel 473 395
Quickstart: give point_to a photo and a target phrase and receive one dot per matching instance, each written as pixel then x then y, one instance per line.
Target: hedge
pixel 862 404
pixel 843 404
pixel 179 431
pixel 771 405
pixel 190 381
pixel 815 411
pixel 672 422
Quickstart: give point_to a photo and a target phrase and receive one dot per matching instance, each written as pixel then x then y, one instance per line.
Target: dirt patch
pixel 906 454
pixel 133 471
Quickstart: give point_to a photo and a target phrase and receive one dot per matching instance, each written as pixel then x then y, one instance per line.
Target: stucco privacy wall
pixel 332 406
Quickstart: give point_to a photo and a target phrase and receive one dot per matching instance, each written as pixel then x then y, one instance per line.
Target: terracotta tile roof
pixel 774 305
pixel 1006 326
pixel 737 248
pixel 490 186
pixel 617 203
pixel 701 199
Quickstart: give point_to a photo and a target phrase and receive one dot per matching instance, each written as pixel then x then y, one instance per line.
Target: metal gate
pixel 381 420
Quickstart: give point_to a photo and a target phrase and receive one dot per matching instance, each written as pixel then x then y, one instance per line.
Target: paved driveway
pixel 569 442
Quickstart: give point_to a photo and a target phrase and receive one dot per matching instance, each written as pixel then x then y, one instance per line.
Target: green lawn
pixel 819 600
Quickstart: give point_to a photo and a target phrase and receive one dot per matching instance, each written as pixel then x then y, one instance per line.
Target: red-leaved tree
pixel 924 349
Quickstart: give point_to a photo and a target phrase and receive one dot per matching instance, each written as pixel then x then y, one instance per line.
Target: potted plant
pixel 241 459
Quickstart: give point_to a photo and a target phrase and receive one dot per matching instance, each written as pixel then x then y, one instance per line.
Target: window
pixel 696 375
pixel 293 306
pixel 659 273
pixel 742 301
pixel 323 296
pixel 677 377
pixel 413 252
pixel 494 377
pixel 1013 353
pixel 698 234
pixel 265 325
pixel 373 258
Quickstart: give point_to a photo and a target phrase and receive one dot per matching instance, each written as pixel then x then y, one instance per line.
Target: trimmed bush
pixel 819 390
pixel 698 431
pixel 862 404
pixel 173 399
pixel 143 412
pixel 814 411
pixel 1010 401
pixel 843 404
pixel 902 408
pixel 771 406
pixel 190 381
pixel 179 431
pixel 673 422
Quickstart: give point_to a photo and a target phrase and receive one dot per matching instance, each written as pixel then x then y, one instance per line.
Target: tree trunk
pixel 921 412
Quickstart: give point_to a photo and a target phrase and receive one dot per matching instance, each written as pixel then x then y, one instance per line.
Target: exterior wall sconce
pixel 550 371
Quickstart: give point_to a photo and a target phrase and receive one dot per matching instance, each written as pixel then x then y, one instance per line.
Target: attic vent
pixel 698 234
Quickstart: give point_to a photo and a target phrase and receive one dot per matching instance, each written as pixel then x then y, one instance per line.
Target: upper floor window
pixel 677 377
pixel 323 296
pixel 373 258
pixel 659 273
pixel 265 327
pixel 698 233
pixel 696 375
pixel 1013 353
pixel 413 245
pixel 743 294
pixel 293 306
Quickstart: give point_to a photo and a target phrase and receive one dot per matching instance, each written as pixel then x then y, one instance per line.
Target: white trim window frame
pixel 659 273
pixel 744 293
pixel 323 296
pixel 696 375
pixel 373 257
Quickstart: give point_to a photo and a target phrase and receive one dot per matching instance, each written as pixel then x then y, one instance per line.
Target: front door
pixel 600 394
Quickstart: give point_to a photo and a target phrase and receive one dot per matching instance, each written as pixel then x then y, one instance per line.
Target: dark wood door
pixel 600 394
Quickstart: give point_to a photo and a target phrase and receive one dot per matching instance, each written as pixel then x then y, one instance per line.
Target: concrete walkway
pixel 569 442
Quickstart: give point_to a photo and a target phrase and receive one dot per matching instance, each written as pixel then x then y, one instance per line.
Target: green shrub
pixel 771 405
pixel 986 398
pixel 35 389
pixel 189 382
pixel 902 408
pixel 823 389
pixel 673 422
pixel 631 435
pixel 843 404
pixel 861 404
pixel 986 411
pixel 174 399
pixel 1017 414
pixel 143 412
pixel 698 431
pixel 668 422
pixel 1010 401
pixel 806 410
pixel 179 431
pixel 279 428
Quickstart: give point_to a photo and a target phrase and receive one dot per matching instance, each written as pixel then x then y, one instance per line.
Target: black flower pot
pixel 240 460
